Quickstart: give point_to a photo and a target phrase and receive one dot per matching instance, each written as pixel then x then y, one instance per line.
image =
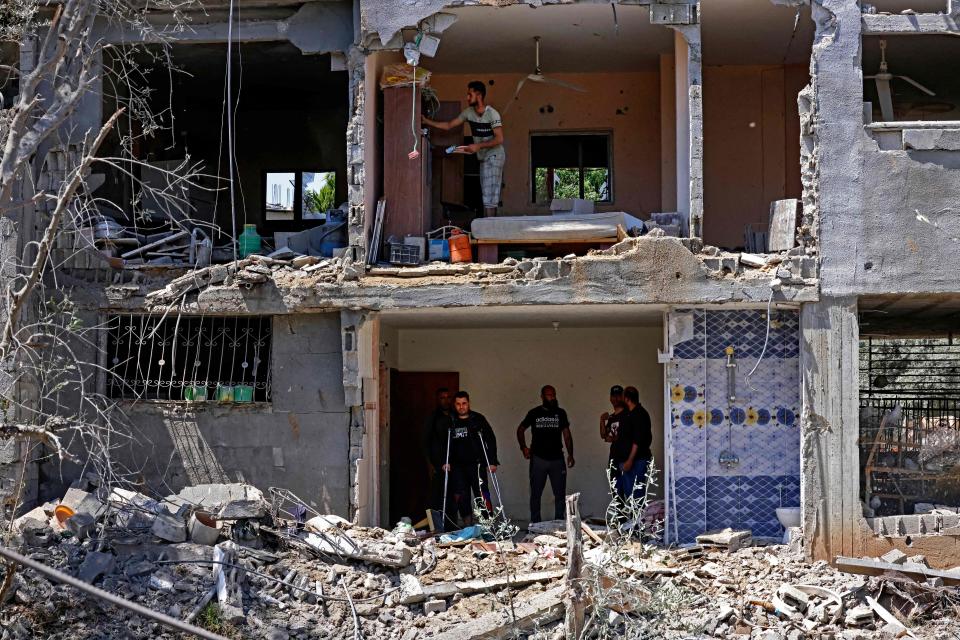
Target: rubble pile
pixel 280 572
pixel 242 564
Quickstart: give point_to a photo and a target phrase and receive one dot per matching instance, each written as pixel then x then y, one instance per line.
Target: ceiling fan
pixel 882 79
pixel 537 76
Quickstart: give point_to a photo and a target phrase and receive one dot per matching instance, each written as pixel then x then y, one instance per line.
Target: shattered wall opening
pixel 903 80
pixel 502 358
pixel 909 424
pixel 289 119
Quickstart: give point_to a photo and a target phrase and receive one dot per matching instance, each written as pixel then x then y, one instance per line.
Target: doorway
pixel 412 401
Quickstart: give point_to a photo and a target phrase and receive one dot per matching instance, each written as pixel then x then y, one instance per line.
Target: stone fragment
pixel 169 528
pixel 919 559
pixel 83 502
pixel 434 606
pixel 95 565
pixel 275 634
pixel 894 556
pixel 81 524
pixel 729 538
pixel 139 568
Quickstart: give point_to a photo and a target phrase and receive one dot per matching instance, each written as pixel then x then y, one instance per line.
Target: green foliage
pixel 566 184
pixel 322 199
pixel 211 619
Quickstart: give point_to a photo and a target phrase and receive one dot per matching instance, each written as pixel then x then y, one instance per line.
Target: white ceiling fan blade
pixel 886 99
pixel 561 83
pixel 917 85
pixel 516 94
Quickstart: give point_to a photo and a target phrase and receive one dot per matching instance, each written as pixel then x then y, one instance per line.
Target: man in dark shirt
pixel 473 451
pixel 610 422
pixel 633 453
pixel 435 432
pixel 548 422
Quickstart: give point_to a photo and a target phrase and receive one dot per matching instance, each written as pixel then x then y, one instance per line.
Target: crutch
pixel 493 474
pixel 446 478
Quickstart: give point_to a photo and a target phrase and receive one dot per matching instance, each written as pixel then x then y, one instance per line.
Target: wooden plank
pixel 488 253
pixel 871 567
pixel 782 233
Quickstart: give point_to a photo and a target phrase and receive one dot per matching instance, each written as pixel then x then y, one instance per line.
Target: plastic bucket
pixel 224 393
pixel 195 393
pixel 243 393
pixel 460 248
pixel 63 513
pixel 203 528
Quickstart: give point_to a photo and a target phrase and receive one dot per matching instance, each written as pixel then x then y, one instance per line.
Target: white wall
pixel 503 370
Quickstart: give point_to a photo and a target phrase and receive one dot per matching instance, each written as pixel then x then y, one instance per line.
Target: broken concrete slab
pixel 169 528
pixel 235 500
pixel 894 556
pixel 434 606
pixel 538 611
pixel 81 524
pixel 82 502
pixel 728 538
pixel 870 567
pixel 412 592
pixel 95 565
pixel 341 544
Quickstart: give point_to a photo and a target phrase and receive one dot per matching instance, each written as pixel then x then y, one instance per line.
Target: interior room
pixel 608 133
pixel 902 80
pixel 289 120
pixel 502 357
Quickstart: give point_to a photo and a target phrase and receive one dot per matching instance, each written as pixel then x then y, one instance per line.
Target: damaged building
pixel 746 210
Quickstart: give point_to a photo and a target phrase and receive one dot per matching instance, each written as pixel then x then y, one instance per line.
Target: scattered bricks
pixel 83 502
pixel 918 559
pixel 729 538
pixel 434 606
pixel 169 528
pixel 859 617
pixel 894 556
pixel 95 565
pixel 81 525
pixel 794 597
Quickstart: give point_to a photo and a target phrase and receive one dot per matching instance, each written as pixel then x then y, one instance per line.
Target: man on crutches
pixel 473 452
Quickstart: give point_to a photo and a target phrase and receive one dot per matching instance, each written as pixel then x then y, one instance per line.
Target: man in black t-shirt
pixel 549 423
pixel 631 451
pixel 473 451
pixel 435 431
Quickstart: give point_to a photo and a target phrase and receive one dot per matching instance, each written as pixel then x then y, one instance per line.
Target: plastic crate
pixel 404 254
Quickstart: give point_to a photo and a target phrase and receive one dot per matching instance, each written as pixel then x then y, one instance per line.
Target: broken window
pixel 299 195
pixel 225 359
pixel 909 423
pixel 571 165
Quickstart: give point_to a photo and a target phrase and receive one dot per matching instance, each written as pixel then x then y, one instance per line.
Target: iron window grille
pixel 188 357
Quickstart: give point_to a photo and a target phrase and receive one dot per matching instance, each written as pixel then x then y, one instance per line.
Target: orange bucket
pixel 460 248
pixel 63 513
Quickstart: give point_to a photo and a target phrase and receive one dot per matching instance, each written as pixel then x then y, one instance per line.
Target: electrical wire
pixel 230 160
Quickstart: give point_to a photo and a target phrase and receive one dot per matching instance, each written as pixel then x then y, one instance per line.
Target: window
pixel 571 165
pixel 189 358
pixel 299 195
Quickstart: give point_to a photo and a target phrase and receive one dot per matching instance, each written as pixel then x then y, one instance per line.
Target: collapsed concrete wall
pixel 887 216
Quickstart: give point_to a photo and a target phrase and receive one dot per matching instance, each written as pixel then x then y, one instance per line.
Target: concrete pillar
pixel 356 70
pixel 829 482
pixel 689 111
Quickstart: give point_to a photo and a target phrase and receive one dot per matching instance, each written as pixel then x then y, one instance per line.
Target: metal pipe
pixel 59 576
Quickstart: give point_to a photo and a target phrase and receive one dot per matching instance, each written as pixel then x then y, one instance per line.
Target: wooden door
pixel 413 397
pixel 405 180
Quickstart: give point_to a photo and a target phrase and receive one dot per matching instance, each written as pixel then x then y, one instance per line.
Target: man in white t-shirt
pixel 486 128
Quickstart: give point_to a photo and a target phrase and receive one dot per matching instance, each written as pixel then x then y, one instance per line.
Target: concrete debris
pixel 269 576
pixel 894 556
pixel 728 538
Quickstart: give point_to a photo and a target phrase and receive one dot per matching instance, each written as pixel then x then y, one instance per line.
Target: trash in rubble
pixel 473 532
pixel 396 75
pixel 404 527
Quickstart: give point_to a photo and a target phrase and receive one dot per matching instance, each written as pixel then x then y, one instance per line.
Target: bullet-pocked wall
pixel 297 440
pixel 751 422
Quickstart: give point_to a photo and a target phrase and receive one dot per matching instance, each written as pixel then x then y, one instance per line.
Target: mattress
pixel 584 227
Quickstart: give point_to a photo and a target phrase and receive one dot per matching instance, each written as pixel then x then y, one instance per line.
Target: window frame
pixel 298 223
pixel 531 173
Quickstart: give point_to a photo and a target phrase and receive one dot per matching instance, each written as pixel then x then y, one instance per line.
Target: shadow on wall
pixel 199 462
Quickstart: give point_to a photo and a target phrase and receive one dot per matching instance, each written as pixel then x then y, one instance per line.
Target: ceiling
pixel 527 317
pixel 910 314
pixel 584 37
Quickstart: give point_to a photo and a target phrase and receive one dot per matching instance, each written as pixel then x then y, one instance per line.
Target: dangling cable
pixel 413 155
pixel 230 161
